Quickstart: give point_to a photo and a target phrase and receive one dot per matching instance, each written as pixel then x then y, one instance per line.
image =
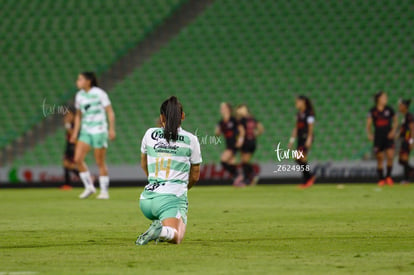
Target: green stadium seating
pixel 263 53
pixel 45 43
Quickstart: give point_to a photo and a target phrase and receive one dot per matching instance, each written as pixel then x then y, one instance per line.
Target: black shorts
pixel 249 146
pixel 382 143
pixel 231 145
pixel 405 147
pixel 70 151
pixel 302 145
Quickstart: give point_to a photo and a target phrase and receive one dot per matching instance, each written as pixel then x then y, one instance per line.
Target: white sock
pixel 104 183
pixel 87 180
pixel 168 233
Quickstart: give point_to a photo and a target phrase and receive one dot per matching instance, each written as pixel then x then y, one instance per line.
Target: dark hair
pixel 71 109
pixel 308 104
pixel 406 102
pixel 377 96
pixel 91 76
pixel 172 110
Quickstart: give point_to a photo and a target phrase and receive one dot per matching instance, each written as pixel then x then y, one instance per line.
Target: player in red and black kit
pixel 303 131
pixel 385 124
pixel 68 162
pixel 252 129
pixel 233 133
pixel 407 137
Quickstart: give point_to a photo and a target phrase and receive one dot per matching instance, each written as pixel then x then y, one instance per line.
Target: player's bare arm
pixel 259 129
pixel 240 138
pixel 144 163
pixel 293 137
pixel 67 122
pixel 111 119
pixel 391 134
pixel 310 135
pixel 217 131
pixel 76 127
pixel 194 175
pixel 368 129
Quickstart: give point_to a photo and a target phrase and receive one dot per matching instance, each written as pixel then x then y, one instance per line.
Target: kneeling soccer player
pixel 170 157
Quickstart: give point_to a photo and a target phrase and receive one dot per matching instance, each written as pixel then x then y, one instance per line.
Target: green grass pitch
pixel 259 230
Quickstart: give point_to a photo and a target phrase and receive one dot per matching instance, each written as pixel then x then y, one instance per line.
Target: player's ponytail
pixel 91 76
pixel 308 104
pixel 172 110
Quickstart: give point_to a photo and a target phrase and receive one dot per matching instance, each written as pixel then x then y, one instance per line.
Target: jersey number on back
pixel 159 166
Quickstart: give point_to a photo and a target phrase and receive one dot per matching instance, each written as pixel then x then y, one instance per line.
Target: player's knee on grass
pixel 179 239
pixel 179 235
pixel 178 224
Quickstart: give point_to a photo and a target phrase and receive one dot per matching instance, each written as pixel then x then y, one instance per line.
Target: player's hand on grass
pixel 370 137
pixel 112 134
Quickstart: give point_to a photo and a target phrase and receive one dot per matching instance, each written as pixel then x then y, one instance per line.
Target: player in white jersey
pixel 93 109
pixel 170 157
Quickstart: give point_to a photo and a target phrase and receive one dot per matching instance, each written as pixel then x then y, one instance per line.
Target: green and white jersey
pixel 169 163
pixel 92 104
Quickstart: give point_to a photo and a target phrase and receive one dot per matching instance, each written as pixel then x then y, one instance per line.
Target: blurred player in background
pixel 93 109
pixel 233 133
pixel 170 157
pixel 303 131
pixel 407 137
pixel 385 124
pixel 69 165
pixel 252 129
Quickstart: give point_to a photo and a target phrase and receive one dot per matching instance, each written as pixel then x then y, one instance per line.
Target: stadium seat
pixel 47 42
pixel 261 53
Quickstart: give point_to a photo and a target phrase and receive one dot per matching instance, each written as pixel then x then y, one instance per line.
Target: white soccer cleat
pixel 103 196
pixel 86 193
